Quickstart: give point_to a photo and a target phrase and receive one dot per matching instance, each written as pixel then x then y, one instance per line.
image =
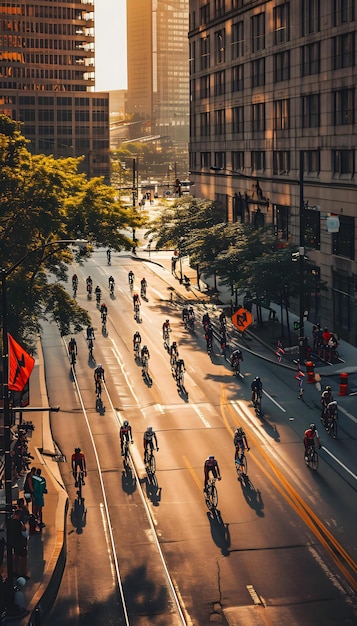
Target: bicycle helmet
pixel 312 427
pixel 257 378
pixel 125 423
pixel 167 321
pixel 174 343
pixel 328 388
pixel 98 366
pixel 77 450
pixel 145 348
pixel 239 430
pixel 149 429
pixel 211 457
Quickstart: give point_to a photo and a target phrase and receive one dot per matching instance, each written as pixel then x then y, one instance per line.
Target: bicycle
pixel 209 345
pixel 311 457
pixel 166 338
pixel 180 379
pixel 173 359
pixel 191 324
pixel 104 322
pixel 90 350
pixel 149 460
pixel 137 312
pixel 111 289
pixel 89 291
pixel 257 401
pixel 211 494
pixel 241 464
pixel 137 350
pixel 331 426
pixel 125 453
pixel 73 359
pixel 143 291
pixel 145 370
pixel 98 392
pixel 74 287
pixel 78 476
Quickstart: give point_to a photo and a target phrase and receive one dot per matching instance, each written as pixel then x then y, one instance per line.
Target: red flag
pixel 20 365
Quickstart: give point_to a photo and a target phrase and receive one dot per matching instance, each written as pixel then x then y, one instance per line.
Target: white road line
pixel 340 463
pixel 121 364
pixel 200 415
pixel 352 417
pixel 275 402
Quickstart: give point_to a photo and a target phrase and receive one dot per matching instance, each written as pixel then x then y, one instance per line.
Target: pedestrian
pixel 19 597
pixel 39 489
pixel 173 264
pixel 25 515
pixel 28 486
pixel 19 544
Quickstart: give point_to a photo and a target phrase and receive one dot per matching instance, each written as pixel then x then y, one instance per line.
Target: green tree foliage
pixel 43 199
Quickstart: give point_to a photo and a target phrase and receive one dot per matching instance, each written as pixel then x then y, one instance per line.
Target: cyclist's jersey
pixel 310 435
pixel 131 276
pixel 104 308
pixel 180 365
pixel 191 314
pixel 326 397
pixel 211 464
pixel 89 281
pixel 125 431
pixel 145 353
pixel 239 437
pixel 137 338
pixel 236 356
pixel 90 332
pixel 143 282
pixel 257 386
pixel 166 326
pixel 148 437
pixel 99 373
pixel 72 345
pixel 173 349
pixel 75 279
pixel 184 313
pixel 79 460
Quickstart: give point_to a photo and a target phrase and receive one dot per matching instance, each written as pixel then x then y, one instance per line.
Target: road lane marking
pixel 200 415
pixel 192 472
pixel 352 417
pixel 340 463
pixel 275 402
pixel 253 594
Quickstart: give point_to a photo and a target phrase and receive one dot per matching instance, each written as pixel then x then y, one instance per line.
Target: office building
pixel 47 79
pixel 158 83
pixel 270 82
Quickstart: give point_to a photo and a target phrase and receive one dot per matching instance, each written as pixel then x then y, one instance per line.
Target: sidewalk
pixel 46 550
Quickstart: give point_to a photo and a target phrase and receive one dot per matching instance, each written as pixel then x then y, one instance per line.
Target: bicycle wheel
pixel 333 429
pixel 152 463
pixel 244 465
pixel 213 496
pixel 314 460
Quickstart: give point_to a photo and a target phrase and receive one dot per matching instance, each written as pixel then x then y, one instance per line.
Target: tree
pixel 44 199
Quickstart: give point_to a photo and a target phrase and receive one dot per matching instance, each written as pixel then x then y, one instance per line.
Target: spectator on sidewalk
pixel 28 486
pixel 19 544
pixel 25 514
pixel 326 337
pixel 39 489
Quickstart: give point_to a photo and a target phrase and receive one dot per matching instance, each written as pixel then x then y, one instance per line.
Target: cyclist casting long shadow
pixel 79 514
pixel 220 533
pixel 128 480
pixel 153 491
pixel 252 496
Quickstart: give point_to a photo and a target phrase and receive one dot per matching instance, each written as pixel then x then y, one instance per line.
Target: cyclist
pixel 191 314
pixel 330 413
pixel 206 320
pixel 223 342
pixel 179 368
pixel 111 283
pixel 98 293
pixel 166 329
pixel 185 315
pixel 75 282
pixel 72 346
pixel 145 354
pixel 143 285
pixel 211 465
pixel 222 319
pixel 149 439
pixel 103 309
pixel 90 346
pixel 235 359
pixel 136 340
pixel 208 335
pixel 257 389
pixel 78 462
pixel 99 373
pixel 240 442
pixel 90 332
pixel 326 398
pixel 173 353
pixel 131 278
pixel 309 438
pixel 136 300
pixel 89 282
pixel 125 433
pixel 109 255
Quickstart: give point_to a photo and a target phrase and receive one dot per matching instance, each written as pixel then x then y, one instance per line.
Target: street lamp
pixel 7 412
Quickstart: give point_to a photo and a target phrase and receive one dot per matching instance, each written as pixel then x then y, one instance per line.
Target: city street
pixel 282 549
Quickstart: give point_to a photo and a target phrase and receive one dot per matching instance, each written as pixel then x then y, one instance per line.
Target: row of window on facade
pixel 68 29
pixel 342 48
pixel 65 146
pixel 235 120
pixel 23 72
pixel 63 115
pixel 342 162
pixel 47 11
pixel 309 13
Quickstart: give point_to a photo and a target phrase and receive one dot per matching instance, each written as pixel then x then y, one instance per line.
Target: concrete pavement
pixel 47 550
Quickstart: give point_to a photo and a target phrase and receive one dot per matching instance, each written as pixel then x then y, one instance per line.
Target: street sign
pixel 296 325
pixel 241 319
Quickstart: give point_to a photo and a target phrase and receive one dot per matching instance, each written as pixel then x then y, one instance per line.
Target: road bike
pixel 111 289
pixel 211 494
pixel 209 345
pixel 98 392
pixel 311 457
pixel 137 350
pixel 137 312
pixel 90 349
pixel 180 379
pixel 191 323
pixel 125 453
pixel 89 291
pixel 145 369
pixel 73 359
pixel 104 322
pixel 173 359
pixel 241 464
pixel 74 287
pixel 236 368
pixel 78 476
pixel 166 337
pixel 98 296
pixel 143 291
pixel 149 460
pixel 257 401
pixel 331 426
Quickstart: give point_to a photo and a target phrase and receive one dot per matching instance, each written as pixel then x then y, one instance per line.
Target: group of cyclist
pixel 188 317
pixel 142 352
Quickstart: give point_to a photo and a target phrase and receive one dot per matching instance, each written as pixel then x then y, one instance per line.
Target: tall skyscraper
pixel 158 82
pixel 47 79
pixel 273 126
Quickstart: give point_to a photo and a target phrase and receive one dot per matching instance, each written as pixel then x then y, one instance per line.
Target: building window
pixel 205 159
pixel 310 17
pixel 282 66
pixel 310 114
pixel 343 242
pixel 238 78
pixel 237 40
pixel 205 53
pixel 258 32
pixel 310 59
pixel 258 117
pixel 205 124
pixel 281 114
pixel 343 162
pixel 343 11
pixel 220 122
pixel 204 14
pixel 311 222
pixel 238 120
pixel 312 162
pixel 343 302
pixel 344 51
pixel 281 162
pixel 281 23
pixel 238 160
pixel 258 72
pixel 219 83
pixel 258 161
pixel 220 41
pixel 281 221
pixel 344 106
pixel 204 86
pixel 220 160
pixel 219 8
pixel 192 59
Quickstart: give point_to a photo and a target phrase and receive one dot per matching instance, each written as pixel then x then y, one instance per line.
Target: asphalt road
pixel 282 550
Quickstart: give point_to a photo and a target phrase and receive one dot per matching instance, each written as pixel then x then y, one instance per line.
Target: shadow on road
pixel 79 514
pixel 128 479
pixel 219 531
pixel 252 496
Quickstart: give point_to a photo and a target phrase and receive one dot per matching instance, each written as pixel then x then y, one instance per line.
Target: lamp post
pixel 7 411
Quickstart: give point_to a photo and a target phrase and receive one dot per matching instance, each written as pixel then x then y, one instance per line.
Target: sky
pixel 110 45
